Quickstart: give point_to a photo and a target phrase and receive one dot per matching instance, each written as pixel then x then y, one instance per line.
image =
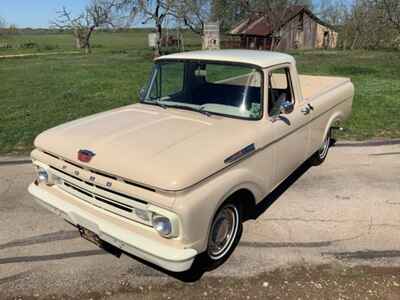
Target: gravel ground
pixel 299 282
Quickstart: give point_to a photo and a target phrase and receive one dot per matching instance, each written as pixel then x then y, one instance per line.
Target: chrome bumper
pixel 111 229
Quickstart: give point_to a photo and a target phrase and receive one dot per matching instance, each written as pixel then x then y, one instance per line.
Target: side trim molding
pixel 240 154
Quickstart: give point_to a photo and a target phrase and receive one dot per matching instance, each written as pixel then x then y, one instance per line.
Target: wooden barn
pixel 299 28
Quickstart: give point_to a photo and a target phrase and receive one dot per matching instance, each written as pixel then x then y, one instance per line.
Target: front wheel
pixel 320 156
pixel 225 233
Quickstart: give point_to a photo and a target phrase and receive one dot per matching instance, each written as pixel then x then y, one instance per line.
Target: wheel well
pixel 246 199
pixel 335 124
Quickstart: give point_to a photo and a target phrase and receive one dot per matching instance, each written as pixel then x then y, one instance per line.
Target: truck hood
pixel 169 149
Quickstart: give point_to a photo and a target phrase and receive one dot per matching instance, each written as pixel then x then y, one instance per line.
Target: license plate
pixel 90 236
pixel 94 238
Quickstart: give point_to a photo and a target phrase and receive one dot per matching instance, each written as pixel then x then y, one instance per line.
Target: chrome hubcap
pixel 325 147
pixel 223 232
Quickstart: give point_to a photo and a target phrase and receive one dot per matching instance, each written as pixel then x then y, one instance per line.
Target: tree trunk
pixel 353 45
pixel 203 42
pixel 157 49
pixel 87 45
pixel 77 36
pixel 158 20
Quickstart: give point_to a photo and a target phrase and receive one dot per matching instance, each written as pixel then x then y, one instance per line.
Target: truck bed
pixel 314 86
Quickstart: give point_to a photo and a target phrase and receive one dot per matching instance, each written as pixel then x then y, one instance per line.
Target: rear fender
pixel 334 121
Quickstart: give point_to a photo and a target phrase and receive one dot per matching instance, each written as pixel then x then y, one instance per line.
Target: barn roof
pixel 259 25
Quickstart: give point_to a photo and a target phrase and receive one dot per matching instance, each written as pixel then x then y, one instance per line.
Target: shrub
pixel 28 45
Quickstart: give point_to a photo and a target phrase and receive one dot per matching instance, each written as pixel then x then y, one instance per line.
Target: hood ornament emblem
pixel 85 155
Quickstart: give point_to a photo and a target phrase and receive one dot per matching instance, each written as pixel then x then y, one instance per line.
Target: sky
pixel 39 13
pixel 35 13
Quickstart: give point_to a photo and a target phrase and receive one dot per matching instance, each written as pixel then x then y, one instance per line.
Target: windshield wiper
pixel 205 112
pixel 199 110
pixel 158 102
pixel 155 102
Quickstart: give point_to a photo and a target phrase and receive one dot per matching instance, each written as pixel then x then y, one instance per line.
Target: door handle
pixel 305 110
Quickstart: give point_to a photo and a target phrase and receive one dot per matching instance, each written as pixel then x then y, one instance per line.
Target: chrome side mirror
pixel 286 107
pixel 142 93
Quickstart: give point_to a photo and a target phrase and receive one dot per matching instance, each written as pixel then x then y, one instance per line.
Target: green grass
pixel 101 41
pixel 37 93
pixel 376 77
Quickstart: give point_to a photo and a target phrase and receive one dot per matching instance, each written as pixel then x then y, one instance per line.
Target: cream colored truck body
pixel 172 161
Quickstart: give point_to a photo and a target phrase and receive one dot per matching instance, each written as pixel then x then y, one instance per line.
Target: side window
pixel 279 90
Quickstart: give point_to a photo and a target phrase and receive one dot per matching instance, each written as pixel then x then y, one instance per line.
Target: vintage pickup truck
pixel 171 179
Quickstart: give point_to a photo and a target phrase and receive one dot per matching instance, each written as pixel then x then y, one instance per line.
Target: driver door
pixel 290 125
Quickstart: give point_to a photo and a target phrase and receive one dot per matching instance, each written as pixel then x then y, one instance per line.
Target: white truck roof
pixel 262 59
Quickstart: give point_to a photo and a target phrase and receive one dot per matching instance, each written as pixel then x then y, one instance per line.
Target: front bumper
pixel 115 230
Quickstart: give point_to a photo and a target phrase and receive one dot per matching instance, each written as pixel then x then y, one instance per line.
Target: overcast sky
pixel 39 13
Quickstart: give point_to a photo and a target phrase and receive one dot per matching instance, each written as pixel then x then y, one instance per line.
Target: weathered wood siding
pixel 310 30
pixel 326 37
pixel 303 32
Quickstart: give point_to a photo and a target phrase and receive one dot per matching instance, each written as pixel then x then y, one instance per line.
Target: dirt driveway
pixel 328 232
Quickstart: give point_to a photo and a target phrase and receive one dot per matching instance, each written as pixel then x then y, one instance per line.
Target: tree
pixel 391 10
pixel 230 12
pixel 333 12
pixel 99 13
pixel 193 14
pixel 155 11
pixel 366 27
pixel 2 22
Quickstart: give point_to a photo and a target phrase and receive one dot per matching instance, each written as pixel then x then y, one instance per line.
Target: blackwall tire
pixel 225 233
pixel 319 157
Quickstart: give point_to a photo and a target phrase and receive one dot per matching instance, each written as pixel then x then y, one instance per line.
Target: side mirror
pixel 286 107
pixel 142 93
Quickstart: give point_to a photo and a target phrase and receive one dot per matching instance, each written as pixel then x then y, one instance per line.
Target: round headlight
pixel 42 175
pixel 162 225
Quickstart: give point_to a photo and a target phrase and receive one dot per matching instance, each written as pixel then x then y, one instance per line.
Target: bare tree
pixel 155 11
pixel 391 10
pixel 230 12
pixel 99 13
pixel 2 22
pixel 193 14
pixel 149 11
pixel 365 27
pixel 334 12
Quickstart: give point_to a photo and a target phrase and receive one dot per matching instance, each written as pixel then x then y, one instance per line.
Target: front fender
pixel 198 206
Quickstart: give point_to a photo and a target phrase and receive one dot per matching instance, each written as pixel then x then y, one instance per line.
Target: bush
pixel 5 45
pixel 49 47
pixel 28 45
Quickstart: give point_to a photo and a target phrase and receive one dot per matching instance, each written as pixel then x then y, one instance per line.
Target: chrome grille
pixel 107 199
pixel 101 173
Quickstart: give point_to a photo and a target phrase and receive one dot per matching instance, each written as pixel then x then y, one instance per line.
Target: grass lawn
pixel 101 42
pixel 37 93
pixel 376 77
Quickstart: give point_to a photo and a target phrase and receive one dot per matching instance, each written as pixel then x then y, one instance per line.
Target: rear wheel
pixel 320 156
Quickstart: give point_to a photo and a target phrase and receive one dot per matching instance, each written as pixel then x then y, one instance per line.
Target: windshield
pixel 213 88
